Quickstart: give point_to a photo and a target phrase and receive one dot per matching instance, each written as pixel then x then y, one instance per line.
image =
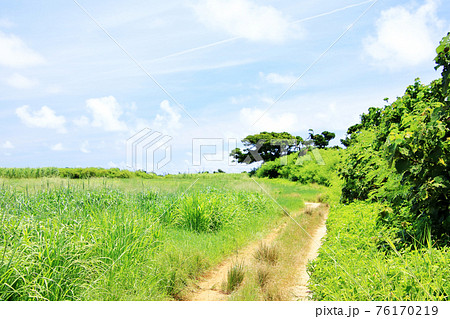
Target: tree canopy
pixel 266 146
pixel 321 140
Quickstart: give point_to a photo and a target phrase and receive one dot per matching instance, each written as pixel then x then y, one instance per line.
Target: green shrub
pixel 399 155
pixel 306 169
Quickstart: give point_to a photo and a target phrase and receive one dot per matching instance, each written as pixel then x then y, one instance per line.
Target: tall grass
pixel 80 243
pixel 353 265
pixel 29 172
pixel 235 277
pixel 267 253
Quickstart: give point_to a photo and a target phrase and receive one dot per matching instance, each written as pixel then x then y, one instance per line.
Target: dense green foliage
pixel 400 154
pixel 73 173
pixel 384 233
pixel 443 60
pixel 321 140
pixel 314 166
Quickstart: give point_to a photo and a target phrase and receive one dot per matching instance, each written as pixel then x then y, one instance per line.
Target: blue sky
pixel 79 78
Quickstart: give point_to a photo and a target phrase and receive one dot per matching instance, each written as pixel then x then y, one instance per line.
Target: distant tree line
pixel 72 173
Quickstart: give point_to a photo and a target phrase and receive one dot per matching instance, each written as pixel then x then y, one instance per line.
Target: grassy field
pixel 359 262
pixel 129 239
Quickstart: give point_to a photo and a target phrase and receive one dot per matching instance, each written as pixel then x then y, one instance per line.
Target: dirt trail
pixel 209 287
pixel 300 291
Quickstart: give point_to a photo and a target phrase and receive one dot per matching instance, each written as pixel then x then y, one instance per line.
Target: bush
pixel 402 160
pixel 306 169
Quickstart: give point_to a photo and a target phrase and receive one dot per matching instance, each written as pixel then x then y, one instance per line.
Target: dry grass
pixel 309 210
pixel 275 269
pixel 274 293
pixel 267 253
pixel 263 275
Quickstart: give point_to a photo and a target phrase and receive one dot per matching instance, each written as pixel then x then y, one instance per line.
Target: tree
pixel 321 140
pixel 266 146
pixel 371 119
pixel 399 156
pixel 443 60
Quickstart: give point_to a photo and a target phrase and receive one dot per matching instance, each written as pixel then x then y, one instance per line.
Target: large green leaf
pixel 445 42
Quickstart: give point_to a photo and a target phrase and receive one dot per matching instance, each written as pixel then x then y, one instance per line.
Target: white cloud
pixel 405 36
pixel 19 81
pixel 168 122
pixel 8 145
pixel 277 122
pixel 276 78
pixel 106 113
pixel 44 118
pixel 82 121
pixel 57 147
pixel 244 18
pixel 84 147
pixel 16 54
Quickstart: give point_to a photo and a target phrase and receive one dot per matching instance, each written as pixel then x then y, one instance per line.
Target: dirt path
pixel 209 287
pixel 300 291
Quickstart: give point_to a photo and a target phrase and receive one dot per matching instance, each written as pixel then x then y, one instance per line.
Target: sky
pixel 173 86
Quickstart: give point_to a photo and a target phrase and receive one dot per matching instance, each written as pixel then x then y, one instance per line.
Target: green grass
pixel 235 277
pixel 128 239
pixel 353 265
pixel 288 193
